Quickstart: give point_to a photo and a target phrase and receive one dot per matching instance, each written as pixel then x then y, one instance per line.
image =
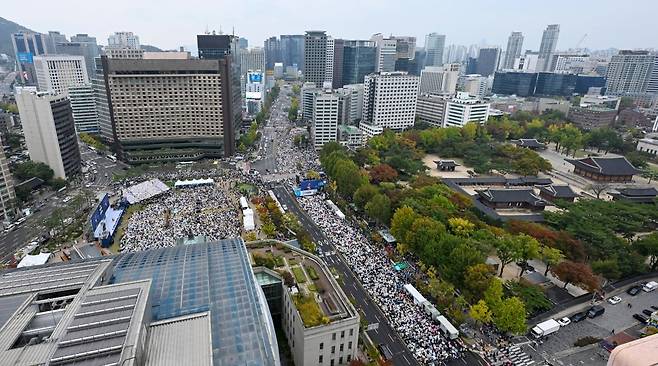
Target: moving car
pixel 614 300
pixel 641 318
pixel 634 290
pixel 564 321
pixel 595 311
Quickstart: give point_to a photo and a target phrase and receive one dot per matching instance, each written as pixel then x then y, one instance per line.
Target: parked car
pixel 647 312
pixel 595 311
pixel 578 316
pixel 641 318
pixel 614 300
pixel 650 286
pixel 564 321
pixel 654 307
pixel 634 290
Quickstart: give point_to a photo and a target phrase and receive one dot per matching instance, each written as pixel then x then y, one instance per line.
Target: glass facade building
pixel 359 60
pixel 584 82
pixel 521 84
pixel 549 83
pixel 215 277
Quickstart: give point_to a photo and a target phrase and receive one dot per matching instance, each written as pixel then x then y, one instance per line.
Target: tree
pixel 364 194
pixel 30 169
pixel 461 257
pixel 598 188
pixel 460 227
pixel 608 268
pixel 379 208
pixel 493 296
pixel 648 246
pixel 424 231
pixel 402 221
pixel 579 274
pixel 480 312
pixel 348 177
pixel 510 249
pixel 477 280
pixel 650 174
pixel 383 173
pixel 529 250
pixel 510 316
pixel 550 257
pixel 626 102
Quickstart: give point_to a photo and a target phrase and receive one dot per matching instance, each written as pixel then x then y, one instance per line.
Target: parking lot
pixel 559 347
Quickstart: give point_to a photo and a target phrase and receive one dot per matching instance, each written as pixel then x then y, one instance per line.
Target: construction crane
pixel 580 42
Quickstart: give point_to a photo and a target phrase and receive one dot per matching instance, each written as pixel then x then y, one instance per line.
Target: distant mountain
pixel 149 48
pixel 8 27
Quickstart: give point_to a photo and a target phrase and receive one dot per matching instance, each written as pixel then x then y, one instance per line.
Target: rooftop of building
pixel 558 190
pixel 605 166
pixel 503 195
pixel 99 311
pixel 316 295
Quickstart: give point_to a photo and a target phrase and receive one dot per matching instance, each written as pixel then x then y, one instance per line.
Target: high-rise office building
pixel 52 39
pixel 389 101
pixel 571 63
pixel 435 79
pixel 338 63
pixel 405 47
pixel 528 62
pixel 514 48
pixel 473 84
pixel 26 46
pixel 123 40
pixel 224 47
pixel 292 50
pixel 434 45
pixel 353 94
pixel 272 52
pixel 243 43
pixel 171 109
pixel 521 84
pixel 632 72
pixel 555 84
pixel 81 45
pixel 56 73
pixel 465 108
pixel 7 193
pixel 329 64
pixel 359 60
pixel 252 59
pixel 315 57
pixel 386 52
pixel 324 127
pixel 548 46
pixel 487 61
pixel 307 93
pixel 83 108
pixel 254 91
pixel 49 131
pixel 430 108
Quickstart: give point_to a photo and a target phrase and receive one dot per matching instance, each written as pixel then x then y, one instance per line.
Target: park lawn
pixel 311 272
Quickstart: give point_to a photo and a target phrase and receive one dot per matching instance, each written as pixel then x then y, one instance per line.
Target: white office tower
pixel 473 84
pixel 632 72
pixel 528 62
pixel 386 52
pixel 354 110
pixel 130 53
pixel 431 107
pixel 329 64
pixel 325 118
pixel 253 59
pixel 547 46
pixel 439 78
pixel 278 70
pixel 254 91
pixel 123 40
pixel 405 47
pixel 389 101
pixel 56 73
pixel 571 64
pixel 83 107
pixel 434 45
pixel 307 94
pixel 465 108
pixel 513 51
pixel 7 193
pixel 49 131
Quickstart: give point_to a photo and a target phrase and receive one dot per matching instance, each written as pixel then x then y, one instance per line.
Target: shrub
pixel 582 342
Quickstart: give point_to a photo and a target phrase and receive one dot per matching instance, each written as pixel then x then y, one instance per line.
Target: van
pixel 650 286
pixel 595 311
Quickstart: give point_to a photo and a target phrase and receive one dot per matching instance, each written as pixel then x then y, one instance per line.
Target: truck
pixel 545 328
pixel 650 286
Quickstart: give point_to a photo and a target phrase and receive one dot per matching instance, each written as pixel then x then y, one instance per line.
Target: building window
pixel 341 348
pixel 333 336
pixel 351 332
pixel 349 345
pixel 340 360
pixel 332 362
pixel 333 349
pixel 320 359
pixel 322 345
pixel 342 334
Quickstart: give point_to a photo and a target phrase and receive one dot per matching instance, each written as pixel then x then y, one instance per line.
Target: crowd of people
pixel 375 271
pixel 210 211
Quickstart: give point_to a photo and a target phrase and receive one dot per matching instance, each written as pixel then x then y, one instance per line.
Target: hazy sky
pixel 172 23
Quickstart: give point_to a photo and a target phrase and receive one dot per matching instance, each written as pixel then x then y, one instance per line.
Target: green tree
pixel 461 257
pixel 529 249
pixel 480 313
pixel 348 177
pixel 424 231
pixel 648 246
pixel 493 296
pixel 364 194
pixel 401 224
pixel 461 227
pixel 30 169
pixel 510 249
pixel 510 316
pixel 477 280
pixel 550 257
pixel 379 208
pixel 608 268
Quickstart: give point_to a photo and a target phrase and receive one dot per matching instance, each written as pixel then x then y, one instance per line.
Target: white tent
pixel 34 260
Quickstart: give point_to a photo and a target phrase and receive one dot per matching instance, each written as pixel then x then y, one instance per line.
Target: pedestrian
pixel 612 332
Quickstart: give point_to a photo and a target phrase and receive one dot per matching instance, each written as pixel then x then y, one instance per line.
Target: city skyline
pixel 168 25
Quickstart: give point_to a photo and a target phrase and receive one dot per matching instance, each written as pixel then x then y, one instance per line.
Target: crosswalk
pixel 512 355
